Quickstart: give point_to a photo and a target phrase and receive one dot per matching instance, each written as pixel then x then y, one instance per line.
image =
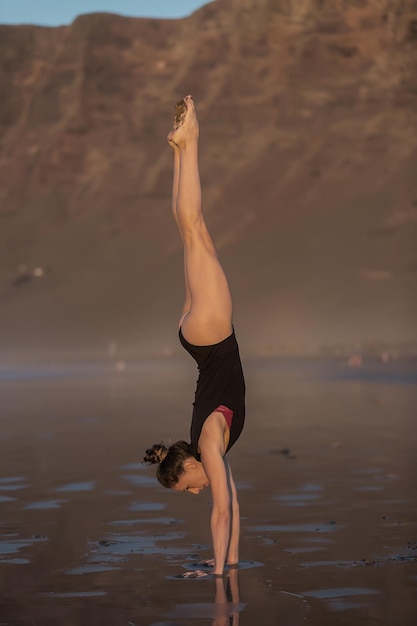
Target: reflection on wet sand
pixel 336 597
pixel 328 529
pixel 45 504
pixel 223 611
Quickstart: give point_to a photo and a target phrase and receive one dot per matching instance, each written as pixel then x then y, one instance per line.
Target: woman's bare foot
pixel 185 127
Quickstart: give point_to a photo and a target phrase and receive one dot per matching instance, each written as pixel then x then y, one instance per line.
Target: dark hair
pixel 170 461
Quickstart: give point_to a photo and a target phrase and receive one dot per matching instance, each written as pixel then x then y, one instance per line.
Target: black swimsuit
pixel 220 382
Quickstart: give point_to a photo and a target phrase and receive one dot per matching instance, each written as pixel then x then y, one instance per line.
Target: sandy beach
pixel 326 473
pixel 308 170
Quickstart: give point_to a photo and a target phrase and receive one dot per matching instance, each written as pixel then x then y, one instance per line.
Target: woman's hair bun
pixel 156 454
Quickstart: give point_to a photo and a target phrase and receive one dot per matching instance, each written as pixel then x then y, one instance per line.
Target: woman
pixel 206 332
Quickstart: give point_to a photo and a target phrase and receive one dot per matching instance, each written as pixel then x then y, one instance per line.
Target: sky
pixel 58 12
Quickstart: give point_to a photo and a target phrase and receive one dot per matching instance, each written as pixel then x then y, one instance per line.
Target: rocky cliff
pixel 308 115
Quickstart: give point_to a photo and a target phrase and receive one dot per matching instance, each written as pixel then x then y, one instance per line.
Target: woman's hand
pixel 210 563
pixel 198 573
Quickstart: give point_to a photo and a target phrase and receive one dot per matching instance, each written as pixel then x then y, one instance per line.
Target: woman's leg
pixel 187 301
pixel 209 319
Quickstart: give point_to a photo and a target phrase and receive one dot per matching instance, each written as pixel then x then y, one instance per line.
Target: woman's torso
pixel 220 382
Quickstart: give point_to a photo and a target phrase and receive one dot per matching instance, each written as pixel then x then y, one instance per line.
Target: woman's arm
pixel 213 463
pixel 212 449
pixel 233 552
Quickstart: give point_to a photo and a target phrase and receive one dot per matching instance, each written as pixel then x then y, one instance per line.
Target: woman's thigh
pixel 210 317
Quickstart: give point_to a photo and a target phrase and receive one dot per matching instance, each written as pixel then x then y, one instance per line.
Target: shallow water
pixel 326 475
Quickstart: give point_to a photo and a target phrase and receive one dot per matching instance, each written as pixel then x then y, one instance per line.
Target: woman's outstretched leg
pixel 175 184
pixel 209 319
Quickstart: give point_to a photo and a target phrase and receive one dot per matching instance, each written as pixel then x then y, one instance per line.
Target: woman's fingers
pixel 206 563
pixel 198 573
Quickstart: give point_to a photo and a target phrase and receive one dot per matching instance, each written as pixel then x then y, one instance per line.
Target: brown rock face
pixel 308 119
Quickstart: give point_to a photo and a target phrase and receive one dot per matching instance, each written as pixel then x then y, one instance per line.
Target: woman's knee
pixel 192 228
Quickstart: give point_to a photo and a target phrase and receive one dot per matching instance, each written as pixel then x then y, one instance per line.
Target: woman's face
pixel 194 478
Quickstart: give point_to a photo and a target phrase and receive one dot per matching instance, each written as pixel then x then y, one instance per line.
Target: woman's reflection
pixel 227 603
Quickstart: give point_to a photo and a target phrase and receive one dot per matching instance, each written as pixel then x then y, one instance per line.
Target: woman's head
pixel 177 468
pixel 170 461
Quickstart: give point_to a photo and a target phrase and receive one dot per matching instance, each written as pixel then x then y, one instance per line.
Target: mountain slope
pixel 308 114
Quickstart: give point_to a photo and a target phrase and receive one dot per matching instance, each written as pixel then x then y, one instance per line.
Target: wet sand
pixel 327 475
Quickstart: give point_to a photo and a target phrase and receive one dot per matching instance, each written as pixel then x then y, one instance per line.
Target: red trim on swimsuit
pixel 227 414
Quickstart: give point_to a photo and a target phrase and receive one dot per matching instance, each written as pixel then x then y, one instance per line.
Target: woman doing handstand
pixel 206 332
